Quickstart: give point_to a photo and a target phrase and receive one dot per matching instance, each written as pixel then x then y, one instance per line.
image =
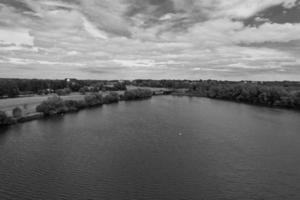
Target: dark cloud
pixel 153 8
pixel 101 70
pixel 291 46
pixel 17 4
pixel 150 10
pixel 71 1
pixel 276 14
pixel 155 13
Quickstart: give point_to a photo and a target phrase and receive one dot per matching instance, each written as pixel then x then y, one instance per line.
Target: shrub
pixel 5 120
pixel 71 105
pixel 297 99
pixel 63 92
pixel 93 99
pixel 53 105
pixel 3 117
pixel 137 94
pixel 83 90
pixel 17 112
pixel 82 104
pixel 112 97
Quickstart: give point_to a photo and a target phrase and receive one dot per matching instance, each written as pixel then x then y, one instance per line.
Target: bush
pixel 137 94
pixel 53 105
pixel 5 120
pixel 112 97
pixel 84 90
pixel 71 105
pixel 297 99
pixel 3 117
pixel 82 104
pixel 93 99
pixel 63 92
pixel 17 112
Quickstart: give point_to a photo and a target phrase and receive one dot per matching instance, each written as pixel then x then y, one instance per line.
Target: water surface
pixel 166 148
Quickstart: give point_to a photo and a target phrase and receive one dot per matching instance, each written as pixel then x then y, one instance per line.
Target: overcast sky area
pixel 155 39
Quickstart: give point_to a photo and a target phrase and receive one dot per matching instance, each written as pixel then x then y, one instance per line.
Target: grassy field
pixel 28 104
pixel 131 87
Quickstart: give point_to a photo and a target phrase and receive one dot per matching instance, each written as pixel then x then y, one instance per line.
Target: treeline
pixel 175 84
pixel 272 93
pixel 55 105
pixel 252 93
pixel 136 94
pixel 16 87
pixel 185 84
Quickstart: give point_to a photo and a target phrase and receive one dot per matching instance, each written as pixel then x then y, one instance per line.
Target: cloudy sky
pixel 129 39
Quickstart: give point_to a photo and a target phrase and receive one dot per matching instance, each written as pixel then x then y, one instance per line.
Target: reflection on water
pixel 163 148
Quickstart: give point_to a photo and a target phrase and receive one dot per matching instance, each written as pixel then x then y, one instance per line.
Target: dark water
pixel 173 148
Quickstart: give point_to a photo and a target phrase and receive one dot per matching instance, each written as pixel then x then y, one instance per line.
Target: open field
pixel 29 103
pixel 154 89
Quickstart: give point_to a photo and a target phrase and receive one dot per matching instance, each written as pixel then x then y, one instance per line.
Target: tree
pixel 53 105
pixel 63 92
pixel 93 99
pixel 83 90
pixel 5 120
pixel 17 112
pixel 137 94
pixel 112 97
pixel 297 99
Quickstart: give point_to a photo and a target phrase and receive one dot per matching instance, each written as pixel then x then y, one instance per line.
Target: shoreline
pixel 81 105
pixel 40 115
pixel 233 101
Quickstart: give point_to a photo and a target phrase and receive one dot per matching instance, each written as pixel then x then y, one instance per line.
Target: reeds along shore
pixel 55 105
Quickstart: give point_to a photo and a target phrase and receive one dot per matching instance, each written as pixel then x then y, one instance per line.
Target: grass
pixel 28 104
pixel 154 89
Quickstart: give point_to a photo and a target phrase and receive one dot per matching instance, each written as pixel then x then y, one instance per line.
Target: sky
pixel 150 39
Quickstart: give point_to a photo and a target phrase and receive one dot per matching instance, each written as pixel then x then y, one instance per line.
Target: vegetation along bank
pixel 55 105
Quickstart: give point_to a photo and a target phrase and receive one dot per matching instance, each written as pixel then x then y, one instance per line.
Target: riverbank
pixel 32 108
pixel 290 105
pixel 28 104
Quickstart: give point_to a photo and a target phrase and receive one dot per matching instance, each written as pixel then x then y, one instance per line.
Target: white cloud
pixel 203 39
pixel 18 48
pixel 93 30
pixel 220 32
pixel 24 61
pixel 247 8
pixel 16 36
pixel 73 53
pixel 135 63
pixel 236 8
pixel 269 32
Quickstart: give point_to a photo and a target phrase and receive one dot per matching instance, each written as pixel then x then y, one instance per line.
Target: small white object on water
pixel 180 134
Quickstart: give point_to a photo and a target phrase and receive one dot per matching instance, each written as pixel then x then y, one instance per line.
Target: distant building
pixel 71 82
pixel 68 80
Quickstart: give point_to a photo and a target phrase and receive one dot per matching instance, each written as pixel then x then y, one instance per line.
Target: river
pixel 165 148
